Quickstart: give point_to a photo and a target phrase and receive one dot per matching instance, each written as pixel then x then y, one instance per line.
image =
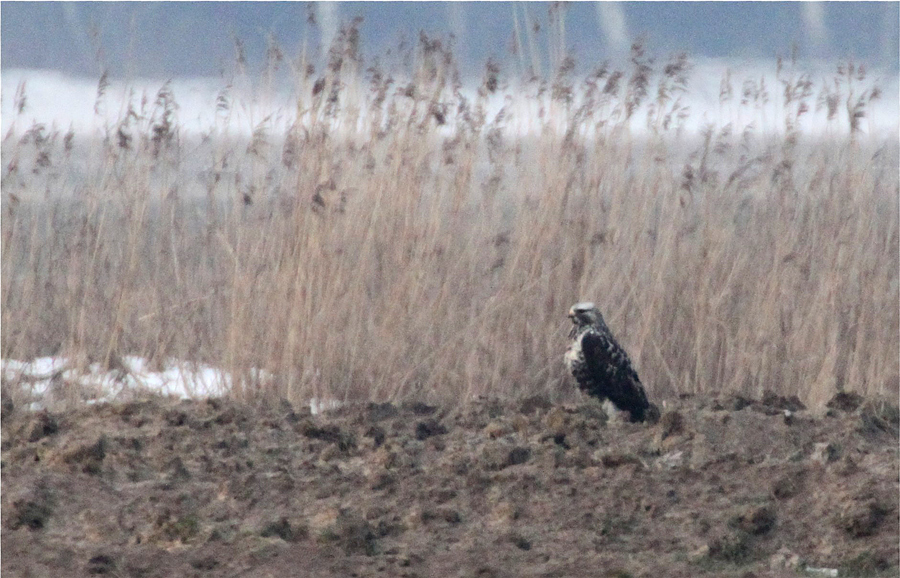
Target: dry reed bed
pixel 405 260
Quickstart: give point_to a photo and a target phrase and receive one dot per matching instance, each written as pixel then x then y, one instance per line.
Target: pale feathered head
pixel 585 314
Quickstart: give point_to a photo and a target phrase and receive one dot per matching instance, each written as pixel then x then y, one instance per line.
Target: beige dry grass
pixel 406 260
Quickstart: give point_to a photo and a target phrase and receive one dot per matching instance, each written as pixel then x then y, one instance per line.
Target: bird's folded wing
pixel 604 356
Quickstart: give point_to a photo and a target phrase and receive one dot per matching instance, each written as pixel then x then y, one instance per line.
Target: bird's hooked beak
pixel 574 329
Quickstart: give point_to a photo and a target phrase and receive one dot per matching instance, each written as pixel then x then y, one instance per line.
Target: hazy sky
pixel 196 38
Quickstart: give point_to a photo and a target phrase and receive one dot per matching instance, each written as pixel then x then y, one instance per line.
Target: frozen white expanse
pixel 52 381
pixel 64 102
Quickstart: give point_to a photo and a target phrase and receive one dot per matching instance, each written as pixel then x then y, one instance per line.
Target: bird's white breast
pixel 573 354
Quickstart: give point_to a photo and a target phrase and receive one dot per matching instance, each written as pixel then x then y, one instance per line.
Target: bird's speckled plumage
pixel 600 365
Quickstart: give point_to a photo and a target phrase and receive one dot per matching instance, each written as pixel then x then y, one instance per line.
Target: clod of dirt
pixel 31 509
pixel 419 408
pixel 755 520
pixel 784 559
pixel 353 533
pixel 139 413
pixel 519 541
pixel 777 404
pixel 534 404
pixel 735 548
pixel 205 563
pixel 447 515
pixel 863 517
pixel 497 429
pixel 491 407
pixel 89 456
pixel 177 470
pixel 382 481
pixel 381 411
pixel 282 528
pixel 42 425
pixel 878 418
pixel 669 432
pixel 845 401
pixel 172 528
pixel 176 418
pixel 770 404
pixel 518 455
pixel 429 428
pixel 101 564
pixel 847 466
pixel 376 434
pixel 825 453
pixel 498 456
pixel 556 423
pixel 734 403
pixel 494 456
pixel 594 414
pixel 865 564
pixel 652 415
pixel 789 485
pixel 330 433
pixel 290 412
pixel 618 459
pixel 671 424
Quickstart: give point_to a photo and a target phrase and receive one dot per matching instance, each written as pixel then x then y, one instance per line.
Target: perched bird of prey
pixel 602 368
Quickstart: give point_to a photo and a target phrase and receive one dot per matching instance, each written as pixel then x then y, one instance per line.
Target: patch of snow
pixel 317 406
pixel 821 571
pixel 46 381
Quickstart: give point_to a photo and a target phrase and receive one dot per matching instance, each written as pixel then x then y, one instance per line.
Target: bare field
pixel 404 242
pixel 720 487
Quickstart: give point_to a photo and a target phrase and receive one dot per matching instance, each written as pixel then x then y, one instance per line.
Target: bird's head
pixel 585 314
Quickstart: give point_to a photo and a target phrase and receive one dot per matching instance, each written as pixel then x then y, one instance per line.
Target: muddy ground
pixel 727 487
